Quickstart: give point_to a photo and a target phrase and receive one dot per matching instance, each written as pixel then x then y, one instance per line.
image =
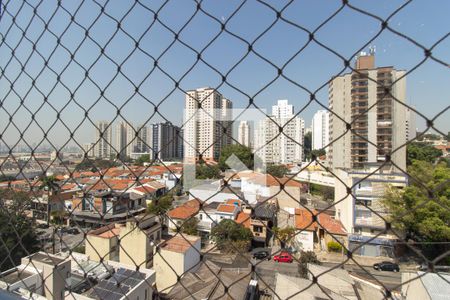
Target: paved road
pixel 388 279
pixel 268 269
pixel 65 241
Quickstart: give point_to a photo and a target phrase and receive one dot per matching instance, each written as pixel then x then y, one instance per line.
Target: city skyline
pixel 249 77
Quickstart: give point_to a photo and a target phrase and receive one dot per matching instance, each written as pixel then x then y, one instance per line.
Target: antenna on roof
pixel 372 50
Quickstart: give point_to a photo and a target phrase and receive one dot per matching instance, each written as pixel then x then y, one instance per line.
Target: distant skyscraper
pixel 320 130
pixel 283 148
pixel 103 140
pixel 88 148
pixel 167 141
pixel 244 133
pixel 359 98
pixel 282 109
pixel 411 130
pixel 121 138
pixel 204 128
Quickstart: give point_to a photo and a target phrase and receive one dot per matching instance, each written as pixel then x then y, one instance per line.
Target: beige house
pixel 102 243
pixel 175 257
pixel 137 239
pixel 130 243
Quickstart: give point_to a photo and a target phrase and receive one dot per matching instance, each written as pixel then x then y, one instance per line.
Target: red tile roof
pixel 331 225
pixel 226 208
pixel 243 219
pixel 304 220
pixel 185 211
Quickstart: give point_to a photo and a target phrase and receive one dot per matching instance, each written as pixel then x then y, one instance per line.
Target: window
pixel 257 229
pixel 201 217
pixel 145 295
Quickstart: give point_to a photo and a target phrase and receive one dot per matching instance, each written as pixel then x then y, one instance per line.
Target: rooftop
pixel 185 211
pixel 179 244
pixel 107 231
pixel 12 276
pixel 46 258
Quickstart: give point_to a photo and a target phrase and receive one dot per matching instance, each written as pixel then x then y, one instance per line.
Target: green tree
pixel 160 206
pixel 326 192
pixel 284 235
pixel 307 142
pixel 143 159
pixel 242 152
pixel 204 171
pixel 421 151
pixel 277 170
pixel 305 258
pixel 15 226
pixel 189 226
pixel 230 236
pixel 50 185
pixel 318 153
pixel 95 164
pixel 424 217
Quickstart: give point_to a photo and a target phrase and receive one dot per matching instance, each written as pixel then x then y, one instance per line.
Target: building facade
pixel 244 134
pixel 362 212
pixel 207 115
pixel 280 148
pixel 371 123
pixel 103 140
pixel 320 130
pixel 167 142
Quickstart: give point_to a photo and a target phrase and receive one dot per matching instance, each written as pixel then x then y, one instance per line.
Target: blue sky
pixel 424 21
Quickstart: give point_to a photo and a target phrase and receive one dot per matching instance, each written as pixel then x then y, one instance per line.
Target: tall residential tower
pixel 371 123
pixel 207 124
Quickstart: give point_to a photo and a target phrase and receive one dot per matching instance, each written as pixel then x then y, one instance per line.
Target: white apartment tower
pixel 103 140
pixel 411 130
pixel 207 113
pixel 364 102
pixel 320 130
pixel 280 148
pixel 121 138
pixel 244 133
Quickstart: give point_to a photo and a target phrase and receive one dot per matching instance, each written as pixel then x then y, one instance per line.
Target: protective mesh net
pixel 66 64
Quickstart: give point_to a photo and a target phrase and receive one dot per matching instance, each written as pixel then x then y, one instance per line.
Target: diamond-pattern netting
pixel 64 65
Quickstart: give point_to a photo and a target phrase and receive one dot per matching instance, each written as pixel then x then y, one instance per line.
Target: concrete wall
pixel 170 264
pixel 414 289
pixel 97 247
pixel 305 240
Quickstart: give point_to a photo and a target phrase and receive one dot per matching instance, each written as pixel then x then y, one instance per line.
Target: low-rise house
pixel 47 276
pixel 178 215
pixel 103 243
pixel 212 213
pixel 173 258
pixel 312 234
pixel 137 240
pixel 263 219
pixel 97 209
pixel 130 243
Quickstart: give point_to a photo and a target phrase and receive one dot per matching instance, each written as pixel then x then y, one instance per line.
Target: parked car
pixel 73 231
pixel 283 257
pixel 386 266
pixel 261 255
pixel 42 226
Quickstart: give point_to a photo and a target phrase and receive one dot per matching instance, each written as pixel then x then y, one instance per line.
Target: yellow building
pixel 103 243
pixel 137 239
pixel 175 257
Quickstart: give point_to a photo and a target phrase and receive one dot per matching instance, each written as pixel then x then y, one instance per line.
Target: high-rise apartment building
pixel 320 130
pixel 271 146
pixel 89 149
pixel 103 140
pixel 121 138
pixel 411 130
pixel 244 133
pixel 206 115
pixel 371 124
pixel 167 142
